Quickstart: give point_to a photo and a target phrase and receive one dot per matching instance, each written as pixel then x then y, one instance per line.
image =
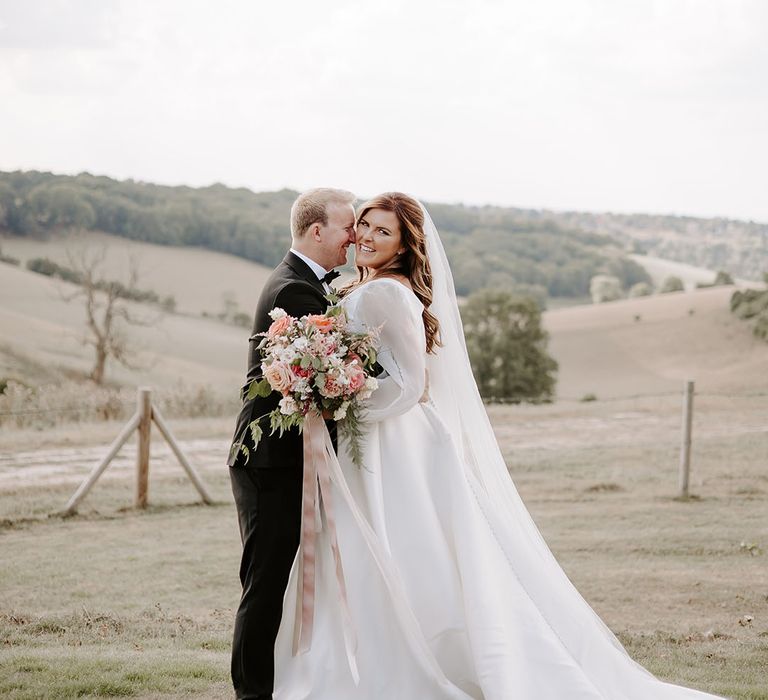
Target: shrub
pixel 749 302
pixel 641 289
pixel 672 284
pixel 604 288
pixel 627 271
pixel 722 279
pixel 761 328
pixel 168 304
pixel 8 259
pixel 752 304
pixel 44 266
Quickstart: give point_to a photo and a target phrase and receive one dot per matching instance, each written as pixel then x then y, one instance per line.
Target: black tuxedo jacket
pixel 294 287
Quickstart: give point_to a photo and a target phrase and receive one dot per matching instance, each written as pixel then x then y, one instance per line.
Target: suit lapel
pixel 303 271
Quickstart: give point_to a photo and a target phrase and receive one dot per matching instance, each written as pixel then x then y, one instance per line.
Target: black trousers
pixel 269 512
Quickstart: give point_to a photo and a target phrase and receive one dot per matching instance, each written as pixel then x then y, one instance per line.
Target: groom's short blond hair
pixel 311 207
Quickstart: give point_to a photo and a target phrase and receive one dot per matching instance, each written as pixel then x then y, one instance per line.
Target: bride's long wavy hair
pixel 413 264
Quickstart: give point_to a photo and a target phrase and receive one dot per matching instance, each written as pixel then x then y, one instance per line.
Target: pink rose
pixel 355 376
pixel 279 326
pixel 279 376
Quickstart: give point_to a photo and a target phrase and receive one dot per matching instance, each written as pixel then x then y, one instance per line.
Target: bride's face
pixel 378 239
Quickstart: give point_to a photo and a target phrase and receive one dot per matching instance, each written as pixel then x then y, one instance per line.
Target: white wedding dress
pixel 452 591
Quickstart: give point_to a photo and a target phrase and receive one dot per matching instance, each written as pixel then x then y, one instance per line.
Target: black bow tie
pixel 330 276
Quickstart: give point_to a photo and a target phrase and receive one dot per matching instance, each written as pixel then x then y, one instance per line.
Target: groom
pixel 267 481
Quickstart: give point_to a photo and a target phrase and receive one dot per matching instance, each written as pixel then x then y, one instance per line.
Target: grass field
pixel 115 602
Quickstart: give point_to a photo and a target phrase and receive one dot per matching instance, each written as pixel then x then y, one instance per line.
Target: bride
pixel 449 591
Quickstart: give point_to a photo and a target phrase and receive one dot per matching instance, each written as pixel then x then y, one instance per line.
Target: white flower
pixel 287 355
pixel 341 412
pixel 288 406
pixel 276 313
pixel 371 384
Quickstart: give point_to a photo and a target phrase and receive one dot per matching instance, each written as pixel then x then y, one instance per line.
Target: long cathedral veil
pixel 457 401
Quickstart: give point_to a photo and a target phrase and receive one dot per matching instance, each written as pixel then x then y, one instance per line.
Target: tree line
pixel 488 247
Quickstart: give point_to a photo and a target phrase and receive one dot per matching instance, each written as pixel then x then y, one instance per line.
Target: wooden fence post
pixel 685 452
pixel 141 422
pixel 144 409
pixel 98 470
pixel 193 475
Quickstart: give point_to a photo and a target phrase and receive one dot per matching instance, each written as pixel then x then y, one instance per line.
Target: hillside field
pixel 622 348
pixel 653 344
pixel 197 278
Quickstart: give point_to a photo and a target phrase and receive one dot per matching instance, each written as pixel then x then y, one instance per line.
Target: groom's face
pixel 338 234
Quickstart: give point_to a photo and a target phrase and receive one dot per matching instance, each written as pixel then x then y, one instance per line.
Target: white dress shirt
pixel 317 269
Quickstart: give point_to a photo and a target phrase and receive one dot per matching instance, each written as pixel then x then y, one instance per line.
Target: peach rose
pixel 279 376
pixel 331 388
pixel 324 324
pixel 279 326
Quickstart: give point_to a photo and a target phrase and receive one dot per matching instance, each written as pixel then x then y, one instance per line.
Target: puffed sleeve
pixel 402 347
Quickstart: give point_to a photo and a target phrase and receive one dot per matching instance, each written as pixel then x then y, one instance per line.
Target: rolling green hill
pixel 539 252
pixel 622 348
pixel 487 246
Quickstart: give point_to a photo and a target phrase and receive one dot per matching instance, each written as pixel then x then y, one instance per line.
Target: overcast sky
pixel 656 106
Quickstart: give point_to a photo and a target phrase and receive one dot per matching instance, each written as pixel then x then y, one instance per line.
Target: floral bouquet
pixel 316 363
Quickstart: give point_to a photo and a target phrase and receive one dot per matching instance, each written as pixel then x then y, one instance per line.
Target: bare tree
pixel 107 308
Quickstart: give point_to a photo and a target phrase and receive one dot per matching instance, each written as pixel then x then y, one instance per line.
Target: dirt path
pixel 519 429
pixel 62 465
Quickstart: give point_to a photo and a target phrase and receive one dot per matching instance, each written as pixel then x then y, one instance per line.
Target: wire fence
pixel 663 394
pixel 117 404
pixel 70 409
pixel 72 402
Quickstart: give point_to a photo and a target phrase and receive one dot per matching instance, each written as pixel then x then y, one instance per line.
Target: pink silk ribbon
pixel 317 501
